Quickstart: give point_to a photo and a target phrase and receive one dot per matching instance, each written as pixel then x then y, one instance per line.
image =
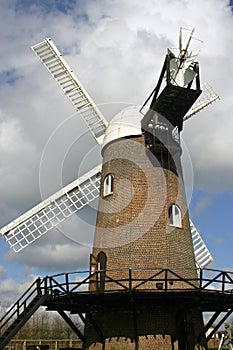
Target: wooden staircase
pixel 22 310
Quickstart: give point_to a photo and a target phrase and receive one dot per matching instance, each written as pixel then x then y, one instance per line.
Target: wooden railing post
pixel 201 279
pixel 223 281
pixel 67 282
pixel 166 281
pixel 38 288
pixel 46 285
pixel 50 284
pixel 130 279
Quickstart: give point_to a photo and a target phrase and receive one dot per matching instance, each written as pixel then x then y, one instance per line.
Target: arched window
pixel 174 214
pixel 108 185
pixel 102 260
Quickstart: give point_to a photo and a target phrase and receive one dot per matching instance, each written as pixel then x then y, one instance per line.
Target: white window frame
pixel 174 214
pixel 108 185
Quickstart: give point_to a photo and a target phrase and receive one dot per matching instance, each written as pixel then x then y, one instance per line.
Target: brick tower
pixel 143 222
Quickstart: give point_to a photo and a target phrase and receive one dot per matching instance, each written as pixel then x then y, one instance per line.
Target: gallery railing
pixel 125 280
pixel 163 280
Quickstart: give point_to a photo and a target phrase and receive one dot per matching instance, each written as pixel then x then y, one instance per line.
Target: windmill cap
pixel 125 123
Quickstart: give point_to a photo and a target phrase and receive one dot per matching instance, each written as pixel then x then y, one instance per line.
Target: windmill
pixel 142 222
pixel 61 205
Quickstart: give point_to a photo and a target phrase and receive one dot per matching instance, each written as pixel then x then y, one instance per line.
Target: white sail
pixel 52 211
pixel 207 97
pixel 66 79
pixel 201 252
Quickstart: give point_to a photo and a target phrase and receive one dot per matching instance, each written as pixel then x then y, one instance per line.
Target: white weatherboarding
pixel 55 209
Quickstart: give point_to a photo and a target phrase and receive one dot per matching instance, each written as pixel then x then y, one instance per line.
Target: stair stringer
pixel 21 320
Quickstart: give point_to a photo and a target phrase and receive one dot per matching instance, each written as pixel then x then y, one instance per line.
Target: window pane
pixel 170 215
pixel 174 214
pixel 108 184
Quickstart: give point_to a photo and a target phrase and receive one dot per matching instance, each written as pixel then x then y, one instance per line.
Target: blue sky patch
pixel 9 77
pixel 215 220
pixel 45 6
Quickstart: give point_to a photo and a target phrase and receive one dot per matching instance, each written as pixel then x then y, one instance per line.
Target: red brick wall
pixel 132 224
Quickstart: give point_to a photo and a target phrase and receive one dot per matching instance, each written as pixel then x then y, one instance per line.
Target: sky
pixel 116 48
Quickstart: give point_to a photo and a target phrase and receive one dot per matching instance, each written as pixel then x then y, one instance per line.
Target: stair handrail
pixel 15 309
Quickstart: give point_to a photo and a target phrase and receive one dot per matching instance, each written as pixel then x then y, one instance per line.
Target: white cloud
pixel 53 253
pixel 200 207
pixel 11 290
pixel 3 271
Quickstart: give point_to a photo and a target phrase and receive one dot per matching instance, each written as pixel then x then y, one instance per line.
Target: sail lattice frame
pixel 52 211
pixel 207 97
pixel 201 252
pixel 52 59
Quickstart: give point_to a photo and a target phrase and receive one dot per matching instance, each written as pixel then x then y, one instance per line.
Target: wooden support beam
pixel 219 324
pixel 208 325
pixel 72 325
